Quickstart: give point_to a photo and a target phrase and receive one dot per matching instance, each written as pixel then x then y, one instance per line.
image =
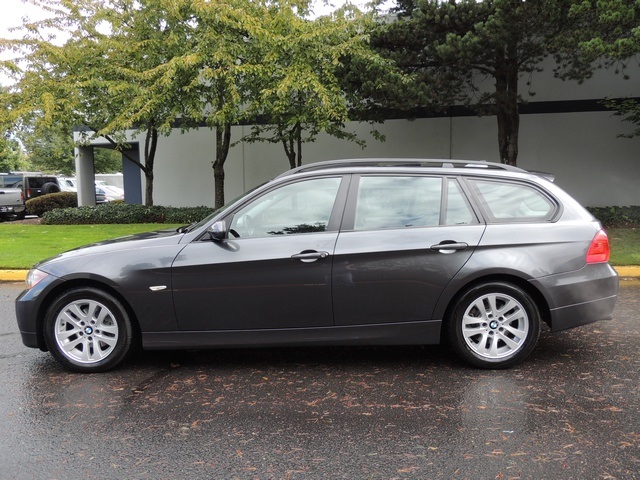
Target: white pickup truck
pixel 12 204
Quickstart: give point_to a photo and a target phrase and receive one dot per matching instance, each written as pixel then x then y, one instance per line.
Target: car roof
pixel 367 164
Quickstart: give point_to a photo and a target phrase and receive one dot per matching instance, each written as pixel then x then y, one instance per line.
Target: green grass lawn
pixel 625 246
pixel 22 245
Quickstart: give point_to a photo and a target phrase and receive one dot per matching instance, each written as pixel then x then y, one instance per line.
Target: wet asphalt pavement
pixel 572 411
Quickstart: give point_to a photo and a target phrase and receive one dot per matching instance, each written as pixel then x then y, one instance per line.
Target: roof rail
pixel 400 162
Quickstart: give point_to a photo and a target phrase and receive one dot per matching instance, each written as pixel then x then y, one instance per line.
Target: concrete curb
pixel 13 275
pixel 21 275
pixel 628 272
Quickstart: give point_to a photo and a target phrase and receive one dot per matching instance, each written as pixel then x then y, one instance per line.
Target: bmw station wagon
pixel 349 252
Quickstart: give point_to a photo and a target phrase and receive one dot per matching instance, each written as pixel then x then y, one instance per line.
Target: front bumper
pixel 581 297
pixel 29 313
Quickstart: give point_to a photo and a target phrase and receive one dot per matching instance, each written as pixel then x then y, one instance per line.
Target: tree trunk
pixel 299 140
pixel 289 152
pixel 507 105
pixel 287 137
pixel 223 143
pixel 150 146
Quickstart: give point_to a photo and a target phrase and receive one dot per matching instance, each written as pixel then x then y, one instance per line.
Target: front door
pixel 275 269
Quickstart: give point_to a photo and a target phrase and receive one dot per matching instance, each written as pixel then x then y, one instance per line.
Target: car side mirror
pixel 218 231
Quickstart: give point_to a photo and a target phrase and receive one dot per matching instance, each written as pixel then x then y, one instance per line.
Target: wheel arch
pixel 535 294
pixel 84 283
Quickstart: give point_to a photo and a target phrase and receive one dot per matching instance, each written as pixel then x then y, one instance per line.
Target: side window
pixel 398 202
pixel 458 211
pixel 514 202
pixel 302 207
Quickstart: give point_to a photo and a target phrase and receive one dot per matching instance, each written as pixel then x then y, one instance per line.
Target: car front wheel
pixel 494 325
pixel 88 330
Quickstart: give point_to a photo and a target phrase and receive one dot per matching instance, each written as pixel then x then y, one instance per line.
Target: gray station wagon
pixel 350 252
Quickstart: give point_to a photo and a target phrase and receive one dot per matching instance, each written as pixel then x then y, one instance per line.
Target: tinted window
pixel 398 202
pixel 302 207
pixel 38 182
pixel 458 211
pixel 509 202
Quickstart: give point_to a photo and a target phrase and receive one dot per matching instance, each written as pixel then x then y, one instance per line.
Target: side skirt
pixel 411 333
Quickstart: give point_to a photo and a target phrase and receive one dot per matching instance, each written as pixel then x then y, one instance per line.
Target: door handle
pixel 309 256
pixel 449 246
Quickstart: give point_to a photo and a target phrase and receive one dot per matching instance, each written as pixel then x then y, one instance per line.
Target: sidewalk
pixel 21 275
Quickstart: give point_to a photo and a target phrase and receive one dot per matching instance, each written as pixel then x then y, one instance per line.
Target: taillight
pixel 599 249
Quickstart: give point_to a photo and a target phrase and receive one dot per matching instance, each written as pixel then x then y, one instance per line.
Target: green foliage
pixel 617 217
pixel 625 245
pixel 45 203
pixel 451 48
pixel 630 111
pixel 11 155
pixel 298 89
pixel 121 213
pixel 606 35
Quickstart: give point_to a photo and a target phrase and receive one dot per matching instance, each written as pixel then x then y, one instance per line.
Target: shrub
pixel 616 217
pixel 123 213
pixel 45 203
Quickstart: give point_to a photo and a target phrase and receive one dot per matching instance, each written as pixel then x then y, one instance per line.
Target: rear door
pixel 403 239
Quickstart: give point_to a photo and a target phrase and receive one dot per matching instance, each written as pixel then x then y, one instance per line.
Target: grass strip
pixel 625 246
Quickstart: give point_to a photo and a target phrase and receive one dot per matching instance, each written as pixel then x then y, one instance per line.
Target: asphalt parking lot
pixel 572 411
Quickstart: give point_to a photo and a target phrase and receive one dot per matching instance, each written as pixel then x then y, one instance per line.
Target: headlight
pixel 34 277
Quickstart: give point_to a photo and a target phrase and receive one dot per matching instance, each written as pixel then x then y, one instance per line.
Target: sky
pixel 12 13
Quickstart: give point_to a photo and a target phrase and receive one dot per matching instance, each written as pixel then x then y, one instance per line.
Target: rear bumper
pixel 581 297
pixel 6 211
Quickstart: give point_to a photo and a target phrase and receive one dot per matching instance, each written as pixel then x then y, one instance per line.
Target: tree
pixel 11 155
pixel 115 71
pixel 220 66
pixel 298 91
pixel 607 35
pixel 453 47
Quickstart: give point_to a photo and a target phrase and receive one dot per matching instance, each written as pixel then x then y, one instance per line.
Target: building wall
pixel 581 149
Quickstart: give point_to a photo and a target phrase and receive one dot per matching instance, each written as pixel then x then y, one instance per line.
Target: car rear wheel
pixel 88 330
pixel 494 325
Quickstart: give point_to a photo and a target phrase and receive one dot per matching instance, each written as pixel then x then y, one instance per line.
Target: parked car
pixel 101 196
pixel 12 205
pixel 104 192
pixel 112 192
pixel 67 184
pixel 33 184
pixel 355 252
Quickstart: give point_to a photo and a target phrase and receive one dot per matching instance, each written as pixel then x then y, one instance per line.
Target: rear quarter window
pixel 513 202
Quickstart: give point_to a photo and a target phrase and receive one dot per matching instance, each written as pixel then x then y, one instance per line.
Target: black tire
pixel 88 330
pixel 50 187
pixel 494 325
